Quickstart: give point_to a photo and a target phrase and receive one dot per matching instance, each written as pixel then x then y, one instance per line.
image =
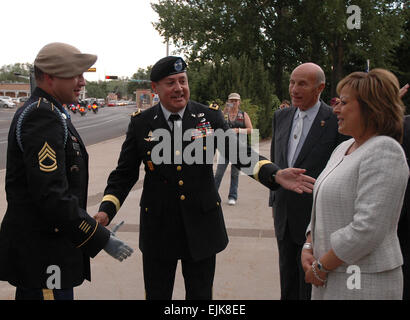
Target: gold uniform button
pixel 217 203
pixel 179 168
pixel 177 152
pixel 204 147
pixel 181 183
pixel 182 197
pixel 149 153
pixel 56 230
pixel 146 209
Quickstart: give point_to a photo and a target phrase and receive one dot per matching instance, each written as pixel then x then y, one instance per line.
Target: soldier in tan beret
pixel 47 237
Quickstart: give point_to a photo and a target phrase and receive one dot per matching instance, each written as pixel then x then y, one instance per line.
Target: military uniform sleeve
pixel 246 159
pixel 44 156
pixel 125 175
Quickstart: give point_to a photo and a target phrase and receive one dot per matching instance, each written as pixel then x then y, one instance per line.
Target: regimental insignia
pixel 178 65
pixel 136 112
pixel 47 158
pixel 214 106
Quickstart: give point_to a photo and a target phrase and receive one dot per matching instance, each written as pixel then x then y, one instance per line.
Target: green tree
pixel 211 82
pixel 284 33
pixel 7 72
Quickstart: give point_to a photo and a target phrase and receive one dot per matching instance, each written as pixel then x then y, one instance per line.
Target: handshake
pixel 117 248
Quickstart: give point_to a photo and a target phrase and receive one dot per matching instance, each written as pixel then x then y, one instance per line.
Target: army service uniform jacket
pixel 46 224
pixel 180 208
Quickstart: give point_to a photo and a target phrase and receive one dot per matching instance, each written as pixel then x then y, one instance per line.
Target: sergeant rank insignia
pixel 47 158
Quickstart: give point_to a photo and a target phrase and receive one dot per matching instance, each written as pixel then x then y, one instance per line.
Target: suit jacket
pixel 292 209
pixel 404 222
pixel 357 204
pixel 46 222
pixel 180 208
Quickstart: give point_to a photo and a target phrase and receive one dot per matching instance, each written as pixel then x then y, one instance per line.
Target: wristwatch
pixel 321 267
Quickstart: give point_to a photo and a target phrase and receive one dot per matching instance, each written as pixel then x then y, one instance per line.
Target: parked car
pixel 112 103
pixel 101 102
pixel 6 102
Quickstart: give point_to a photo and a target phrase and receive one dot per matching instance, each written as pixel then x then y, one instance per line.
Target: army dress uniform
pixel 46 223
pixel 180 208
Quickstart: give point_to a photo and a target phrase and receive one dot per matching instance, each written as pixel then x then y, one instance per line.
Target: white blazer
pixel 357 201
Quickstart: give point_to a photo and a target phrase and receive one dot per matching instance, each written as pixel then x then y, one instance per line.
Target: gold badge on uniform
pixel 150 137
pixel 47 158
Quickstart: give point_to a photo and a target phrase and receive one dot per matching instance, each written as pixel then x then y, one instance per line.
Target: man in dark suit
pixel 181 216
pixel 304 135
pixel 46 236
pixel 403 230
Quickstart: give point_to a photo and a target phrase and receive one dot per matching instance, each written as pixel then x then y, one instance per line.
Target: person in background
pixel 240 122
pixel 304 135
pixel 334 101
pixel 403 229
pixel 359 196
pixel 284 104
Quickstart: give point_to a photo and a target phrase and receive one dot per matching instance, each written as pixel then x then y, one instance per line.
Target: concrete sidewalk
pixel 246 270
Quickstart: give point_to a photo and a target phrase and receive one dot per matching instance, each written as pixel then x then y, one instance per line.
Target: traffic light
pixel 111 77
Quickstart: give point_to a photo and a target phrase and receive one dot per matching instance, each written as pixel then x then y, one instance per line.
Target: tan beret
pixel 234 96
pixel 63 60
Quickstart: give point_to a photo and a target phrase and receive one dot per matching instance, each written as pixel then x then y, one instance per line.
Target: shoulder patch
pixel 136 112
pixel 214 106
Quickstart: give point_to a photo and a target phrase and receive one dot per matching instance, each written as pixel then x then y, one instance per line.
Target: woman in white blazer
pixel 352 250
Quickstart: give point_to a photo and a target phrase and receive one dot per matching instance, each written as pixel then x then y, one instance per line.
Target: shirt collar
pixel 168 113
pixel 311 112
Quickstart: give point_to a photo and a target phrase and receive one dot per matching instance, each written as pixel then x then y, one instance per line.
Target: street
pixel 108 123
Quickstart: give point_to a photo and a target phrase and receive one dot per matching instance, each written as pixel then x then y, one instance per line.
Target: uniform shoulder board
pixel 136 112
pixel 214 106
pixel 41 103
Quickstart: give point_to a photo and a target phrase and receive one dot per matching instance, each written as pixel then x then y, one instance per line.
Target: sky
pixel 119 32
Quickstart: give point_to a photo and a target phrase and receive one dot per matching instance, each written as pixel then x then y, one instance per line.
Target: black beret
pixel 167 66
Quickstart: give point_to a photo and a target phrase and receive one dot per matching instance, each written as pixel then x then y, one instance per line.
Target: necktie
pixel 172 118
pixel 295 138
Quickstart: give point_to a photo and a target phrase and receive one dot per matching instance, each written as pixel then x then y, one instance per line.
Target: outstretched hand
pixel 293 179
pixel 117 249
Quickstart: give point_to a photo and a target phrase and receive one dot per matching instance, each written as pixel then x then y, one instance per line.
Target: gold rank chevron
pixel 47 152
